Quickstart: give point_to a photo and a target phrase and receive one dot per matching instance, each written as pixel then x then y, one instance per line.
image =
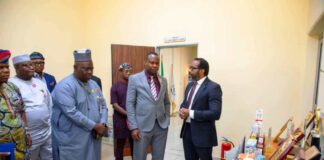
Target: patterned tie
pixel 192 91
pixel 153 88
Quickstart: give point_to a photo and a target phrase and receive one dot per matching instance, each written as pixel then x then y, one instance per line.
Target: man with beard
pixel 201 107
pixel 39 64
pixel 148 109
pixel 79 113
pixel 38 104
pixel 118 100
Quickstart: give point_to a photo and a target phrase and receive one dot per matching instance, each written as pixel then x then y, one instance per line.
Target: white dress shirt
pixel 192 112
pixel 40 77
pixel 38 107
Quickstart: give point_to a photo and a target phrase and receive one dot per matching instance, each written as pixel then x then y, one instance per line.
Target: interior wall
pixel 256 49
pixel 54 28
pixel 316 9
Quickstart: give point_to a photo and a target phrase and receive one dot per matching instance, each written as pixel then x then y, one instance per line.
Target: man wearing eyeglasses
pixel 201 107
pixel 39 64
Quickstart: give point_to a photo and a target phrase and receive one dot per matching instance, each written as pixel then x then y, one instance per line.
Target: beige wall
pixel 316 9
pixel 54 28
pixel 258 51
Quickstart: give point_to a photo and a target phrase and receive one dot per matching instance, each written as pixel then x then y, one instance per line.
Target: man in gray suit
pixel 148 109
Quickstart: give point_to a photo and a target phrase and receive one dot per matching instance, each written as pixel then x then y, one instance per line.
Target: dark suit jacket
pixel 97 80
pixel 207 106
pixel 50 81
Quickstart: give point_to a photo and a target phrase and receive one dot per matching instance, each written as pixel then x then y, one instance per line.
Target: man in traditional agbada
pixel 79 113
pixel 38 107
pixel 118 94
pixel 12 112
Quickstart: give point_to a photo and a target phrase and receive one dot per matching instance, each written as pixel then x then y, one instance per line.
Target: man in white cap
pixel 38 103
pixel 79 113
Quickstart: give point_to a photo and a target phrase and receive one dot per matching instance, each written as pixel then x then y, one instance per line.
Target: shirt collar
pixel 38 75
pixel 199 82
pixel 148 75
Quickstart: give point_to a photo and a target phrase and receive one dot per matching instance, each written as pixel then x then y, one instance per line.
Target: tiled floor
pixel 174 149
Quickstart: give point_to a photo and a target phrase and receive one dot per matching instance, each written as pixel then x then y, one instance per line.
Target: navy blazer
pixel 50 81
pixel 207 106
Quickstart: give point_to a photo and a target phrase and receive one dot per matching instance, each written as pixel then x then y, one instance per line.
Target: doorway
pixel 175 61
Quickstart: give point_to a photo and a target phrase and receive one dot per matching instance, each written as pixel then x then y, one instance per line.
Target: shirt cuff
pixel 90 125
pixel 191 114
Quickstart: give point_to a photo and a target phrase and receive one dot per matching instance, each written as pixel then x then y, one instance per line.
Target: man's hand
pixel 28 140
pixel 100 129
pixel 136 135
pixel 184 113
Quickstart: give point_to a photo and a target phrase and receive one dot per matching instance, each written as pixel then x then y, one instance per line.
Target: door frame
pixel 158 48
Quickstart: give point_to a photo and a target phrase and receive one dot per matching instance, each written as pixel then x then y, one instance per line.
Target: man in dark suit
pixel 39 63
pixel 200 109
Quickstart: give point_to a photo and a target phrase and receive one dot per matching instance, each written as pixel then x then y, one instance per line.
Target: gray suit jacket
pixel 142 109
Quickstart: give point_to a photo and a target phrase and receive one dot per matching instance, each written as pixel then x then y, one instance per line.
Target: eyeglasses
pixel 192 68
pixel 39 63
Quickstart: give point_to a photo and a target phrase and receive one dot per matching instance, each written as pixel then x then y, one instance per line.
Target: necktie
pixel 192 91
pixel 153 88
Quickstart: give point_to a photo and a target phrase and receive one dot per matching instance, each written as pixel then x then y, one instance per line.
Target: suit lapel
pixel 146 85
pixel 161 86
pixel 187 90
pixel 201 89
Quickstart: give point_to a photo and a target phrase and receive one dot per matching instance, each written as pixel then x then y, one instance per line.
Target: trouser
pixel 157 137
pixel 191 151
pixel 42 150
pixel 119 147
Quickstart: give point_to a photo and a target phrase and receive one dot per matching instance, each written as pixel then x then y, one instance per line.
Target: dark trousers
pixel 119 147
pixel 191 151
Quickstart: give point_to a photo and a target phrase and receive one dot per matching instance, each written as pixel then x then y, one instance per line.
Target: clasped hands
pixel 101 130
pixel 184 113
pixel 136 135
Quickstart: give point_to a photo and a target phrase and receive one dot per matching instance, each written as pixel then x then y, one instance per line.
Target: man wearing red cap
pixel 12 109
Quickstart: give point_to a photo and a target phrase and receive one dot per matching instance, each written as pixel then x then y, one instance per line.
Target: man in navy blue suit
pixel 201 107
pixel 39 63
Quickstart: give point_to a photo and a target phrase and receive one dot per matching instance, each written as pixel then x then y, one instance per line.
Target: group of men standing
pixel 143 107
pixel 65 124
pixel 68 122
pixel 26 106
